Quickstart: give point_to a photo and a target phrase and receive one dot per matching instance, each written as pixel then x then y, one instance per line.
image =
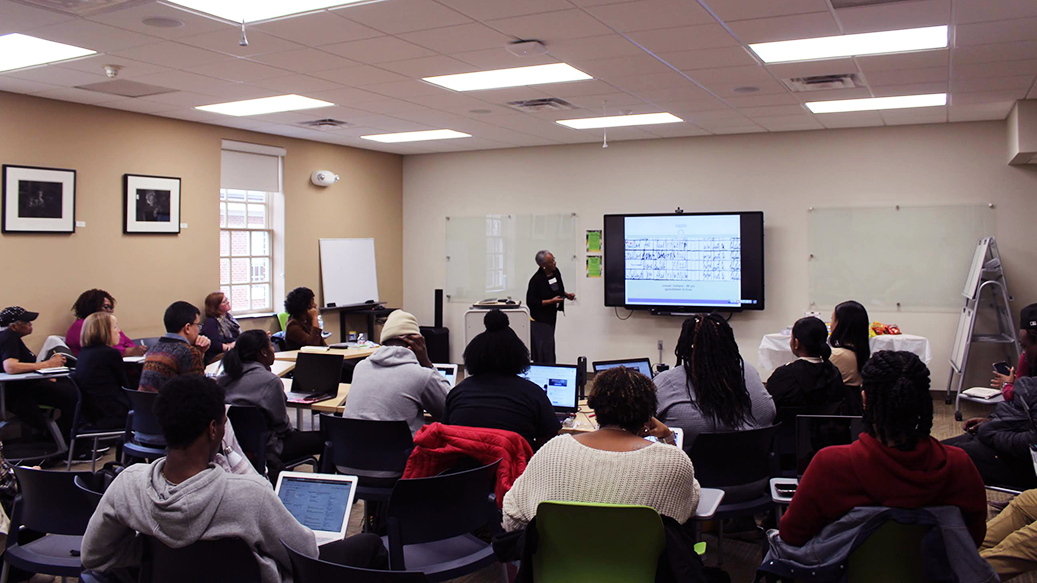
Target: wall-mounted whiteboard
pixel 347 271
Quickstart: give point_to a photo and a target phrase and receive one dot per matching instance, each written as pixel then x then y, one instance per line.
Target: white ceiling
pixel 681 56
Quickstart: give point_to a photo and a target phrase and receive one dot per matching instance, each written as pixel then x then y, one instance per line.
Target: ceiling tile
pixel 239 70
pixel 688 109
pixel 405 89
pixel 347 96
pixel 227 42
pixel 482 10
pixel 995 32
pixel 428 67
pixel 581 88
pixel 21 18
pixel 996 110
pixel 77 95
pixel 894 16
pixel 320 28
pixel 58 76
pixel 908 89
pixel 594 47
pixel 490 59
pixel 773 111
pixel 515 93
pixel 724 129
pixel 302 84
pixel 91 35
pixel 305 60
pixel 457 39
pixel 131 18
pixel 994 52
pixel 651 15
pixel 639 83
pixel 1023 82
pixel 687 38
pixel 723 88
pixel 378 50
pixel 789 123
pixel 916 60
pixel 897 117
pixel 182 99
pixel 550 26
pixel 972 97
pixel 709 58
pixel 1003 69
pixel 813 68
pixel 906 76
pixel 717 117
pixel 676 130
pixel 728 10
pixel 420 15
pixel 16 85
pixel 359 76
pixel 95 64
pixel 291 117
pixel 139 105
pixel 173 55
pixel 967 11
pixel 643 64
pixel 391 107
pixel 855 119
pixel 785 27
pixel 758 100
pixel 686 92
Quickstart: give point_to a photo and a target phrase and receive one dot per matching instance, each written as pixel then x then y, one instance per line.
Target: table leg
pixel 298 418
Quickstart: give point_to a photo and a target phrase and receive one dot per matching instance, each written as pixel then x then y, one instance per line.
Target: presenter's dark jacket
pixel 540 290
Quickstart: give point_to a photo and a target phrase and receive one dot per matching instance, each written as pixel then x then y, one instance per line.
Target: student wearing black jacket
pixel 811 383
pixel 100 373
pixel 545 297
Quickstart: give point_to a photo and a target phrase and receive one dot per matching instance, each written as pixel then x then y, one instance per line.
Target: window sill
pixel 254 316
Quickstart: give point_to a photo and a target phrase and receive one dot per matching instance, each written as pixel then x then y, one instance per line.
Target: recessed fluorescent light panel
pixel 18 51
pixel 263 105
pixel 517 77
pixel 874 103
pixel 616 121
pixel 849 45
pixel 416 136
pixel 255 10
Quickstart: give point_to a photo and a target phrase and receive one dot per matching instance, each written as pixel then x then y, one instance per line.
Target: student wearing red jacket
pixel 1025 368
pixel 895 464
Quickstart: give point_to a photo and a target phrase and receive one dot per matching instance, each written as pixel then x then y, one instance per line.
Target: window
pixel 246 250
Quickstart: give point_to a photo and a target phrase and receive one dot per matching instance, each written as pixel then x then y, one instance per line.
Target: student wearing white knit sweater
pixel 613 465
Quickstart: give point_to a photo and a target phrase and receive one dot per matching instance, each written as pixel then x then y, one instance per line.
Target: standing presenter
pixel 545 297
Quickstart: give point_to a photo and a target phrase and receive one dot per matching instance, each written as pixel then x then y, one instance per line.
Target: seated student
pixel 714 390
pixel 25 397
pixel 180 351
pixel 1026 367
pixel 248 381
pixel 895 463
pixel 220 327
pixel 302 328
pixel 184 498
pixel 849 340
pixel 811 383
pixel 90 302
pixel 100 373
pixel 398 380
pixel 493 395
pixel 999 445
pixel 613 465
pixel 1011 542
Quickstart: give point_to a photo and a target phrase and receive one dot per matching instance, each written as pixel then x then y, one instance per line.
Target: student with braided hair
pixel 711 389
pixel 895 463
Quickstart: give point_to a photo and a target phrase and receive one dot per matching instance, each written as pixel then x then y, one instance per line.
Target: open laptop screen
pixel 558 381
pixel 641 365
pixel 320 504
pixel 447 370
pixel 316 373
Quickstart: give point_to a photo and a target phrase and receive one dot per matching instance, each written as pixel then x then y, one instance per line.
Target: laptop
pixel 315 378
pixel 559 382
pixel 813 433
pixel 320 502
pixel 678 437
pixel 641 365
pixel 447 370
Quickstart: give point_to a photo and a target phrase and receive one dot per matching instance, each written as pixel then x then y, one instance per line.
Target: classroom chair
pixel 80 430
pixel 892 554
pixel 430 521
pixel 227 560
pixel 282 318
pixel 147 342
pixel 308 570
pixel 251 431
pixel 49 503
pixel 143 437
pixel 741 463
pixel 618 543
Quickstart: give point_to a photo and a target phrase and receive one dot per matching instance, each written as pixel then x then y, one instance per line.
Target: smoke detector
pixel 112 71
pixel 526 48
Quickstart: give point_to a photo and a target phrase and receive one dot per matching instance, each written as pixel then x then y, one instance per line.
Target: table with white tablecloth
pixel 775 350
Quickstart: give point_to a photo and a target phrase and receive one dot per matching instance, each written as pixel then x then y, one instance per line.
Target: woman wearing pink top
pixel 97 300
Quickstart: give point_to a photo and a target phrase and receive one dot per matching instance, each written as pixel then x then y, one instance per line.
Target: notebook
pixel 641 365
pixel 447 370
pixel 559 382
pixel 315 378
pixel 320 502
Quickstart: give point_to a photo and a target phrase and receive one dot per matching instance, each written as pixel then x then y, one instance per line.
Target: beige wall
pixel 145 273
pixel 781 174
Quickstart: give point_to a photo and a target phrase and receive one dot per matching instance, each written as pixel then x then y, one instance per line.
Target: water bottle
pixel 320 321
pixel 361 338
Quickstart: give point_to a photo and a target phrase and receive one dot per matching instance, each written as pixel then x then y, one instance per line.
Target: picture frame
pixel 38 200
pixel 151 204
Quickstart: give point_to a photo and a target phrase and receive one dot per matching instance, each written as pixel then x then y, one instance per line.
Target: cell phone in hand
pixel 1003 368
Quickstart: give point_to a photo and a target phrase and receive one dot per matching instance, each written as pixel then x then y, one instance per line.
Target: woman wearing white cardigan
pixel 613 465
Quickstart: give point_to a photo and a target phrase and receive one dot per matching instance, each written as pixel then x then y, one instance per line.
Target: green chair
pixel 892 554
pixel 597 542
pixel 283 319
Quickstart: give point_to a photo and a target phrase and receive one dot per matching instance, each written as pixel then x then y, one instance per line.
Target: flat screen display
pixel 688 261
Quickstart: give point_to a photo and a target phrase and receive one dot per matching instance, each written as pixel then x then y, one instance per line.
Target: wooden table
pixel 279 368
pixel 347 353
pixel 327 406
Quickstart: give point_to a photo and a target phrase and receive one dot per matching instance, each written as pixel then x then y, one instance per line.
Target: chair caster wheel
pixel 957 415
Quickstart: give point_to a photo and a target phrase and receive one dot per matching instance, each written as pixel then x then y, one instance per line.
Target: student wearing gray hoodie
pixel 185 497
pixel 398 381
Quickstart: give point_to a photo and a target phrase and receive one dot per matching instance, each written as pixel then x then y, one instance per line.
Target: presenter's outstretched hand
pixel 202 342
pixel 570 296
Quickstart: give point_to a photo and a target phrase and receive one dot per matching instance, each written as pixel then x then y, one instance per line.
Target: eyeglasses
pixel 108 308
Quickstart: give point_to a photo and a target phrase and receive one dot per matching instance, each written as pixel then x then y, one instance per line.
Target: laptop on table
pixel 447 370
pixel 320 502
pixel 315 378
pixel 813 433
pixel 559 382
pixel 641 365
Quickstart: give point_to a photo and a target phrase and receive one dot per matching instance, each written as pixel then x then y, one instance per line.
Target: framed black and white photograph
pixel 151 204
pixel 39 200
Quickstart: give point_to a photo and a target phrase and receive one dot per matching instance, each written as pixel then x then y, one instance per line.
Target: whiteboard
pixel 347 271
pixel 976 271
pixel 961 338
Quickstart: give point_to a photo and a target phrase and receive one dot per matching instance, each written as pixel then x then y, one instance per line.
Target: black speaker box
pixel 437 343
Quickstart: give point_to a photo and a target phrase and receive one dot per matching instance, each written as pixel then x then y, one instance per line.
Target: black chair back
pixel 227 560
pixel 307 570
pixel 143 422
pixel 250 429
pixel 429 509
pixel 148 342
pixel 736 458
pixel 49 502
pixel 94 485
pixel 375 449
